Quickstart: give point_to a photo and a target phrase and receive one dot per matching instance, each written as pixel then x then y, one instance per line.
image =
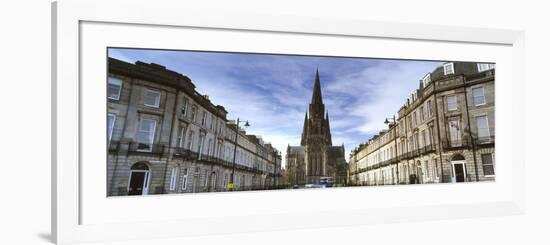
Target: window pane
pixel 482 127
pixel 173 178
pixel 448 69
pixel 488 167
pixel 427 79
pixel 113 91
pixel 193 112
pixel 479 96
pixel 451 103
pixel 181 137
pixel 190 142
pixel 113 88
pixel 111 125
pixel 454 132
pixel 184 106
pixel 485 66
pixel 151 98
pixel 184 180
pixel 146 134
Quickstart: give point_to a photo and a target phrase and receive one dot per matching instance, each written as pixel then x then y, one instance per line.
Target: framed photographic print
pixel 210 123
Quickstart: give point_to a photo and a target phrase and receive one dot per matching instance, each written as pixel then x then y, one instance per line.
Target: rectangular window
pixel 429 108
pixel 151 98
pixel 488 166
pixel 214 180
pixel 414 119
pixel 225 178
pixel 196 179
pixel 451 103
pixel 482 128
pixel 436 169
pixel 184 179
pixel 426 170
pixel 193 113
pixel 454 132
pixel 201 143
pixel 203 121
pixel 426 80
pixel 111 125
pixel 190 141
pixel 181 137
pixel 146 134
pixel 430 135
pixel 220 150
pixel 184 106
pixel 479 96
pixel 485 66
pixel 173 178
pixel 448 68
pixel 422 113
pixel 424 142
pixel 212 122
pixel 206 178
pixel 114 86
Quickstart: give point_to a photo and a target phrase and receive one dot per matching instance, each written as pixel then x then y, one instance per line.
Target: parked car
pixel 326 181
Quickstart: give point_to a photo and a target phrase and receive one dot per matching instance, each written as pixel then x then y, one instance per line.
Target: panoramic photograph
pixel 181 122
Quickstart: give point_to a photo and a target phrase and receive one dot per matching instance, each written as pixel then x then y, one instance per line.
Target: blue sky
pixel 273 91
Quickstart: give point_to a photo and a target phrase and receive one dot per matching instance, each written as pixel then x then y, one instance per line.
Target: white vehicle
pixel 314 186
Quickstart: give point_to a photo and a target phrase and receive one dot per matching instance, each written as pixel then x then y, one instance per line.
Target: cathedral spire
pixel 305 123
pixel 317 98
pixel 329 136
pixel 304 130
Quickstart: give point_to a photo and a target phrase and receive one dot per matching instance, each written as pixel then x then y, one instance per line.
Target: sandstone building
pixel 445 132
pixel 165 137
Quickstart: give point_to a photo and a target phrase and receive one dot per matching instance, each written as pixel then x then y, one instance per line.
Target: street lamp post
pixel 275 154
pixel 246 124
pixel 395 142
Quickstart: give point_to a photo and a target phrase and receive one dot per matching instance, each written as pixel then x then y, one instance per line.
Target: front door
pixel 459 171
pixel 138 183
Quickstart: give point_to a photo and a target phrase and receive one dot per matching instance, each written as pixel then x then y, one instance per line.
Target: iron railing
pixel 205 158
pixel 456 144
pixel 114 146
pixel 485 140
pixel 137 147
pixel 427 149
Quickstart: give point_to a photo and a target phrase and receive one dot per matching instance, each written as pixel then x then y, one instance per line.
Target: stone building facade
pixel 316 157
pixel 445 132
pixel 164 137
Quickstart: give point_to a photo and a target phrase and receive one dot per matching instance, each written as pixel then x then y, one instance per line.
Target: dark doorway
pixel 459 172
pixel 139 178
pixel 137 181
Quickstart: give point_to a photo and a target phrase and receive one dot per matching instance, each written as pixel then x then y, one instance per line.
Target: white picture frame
pixel 70 198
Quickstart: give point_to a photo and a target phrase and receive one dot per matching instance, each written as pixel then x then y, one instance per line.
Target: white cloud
pixel 273 92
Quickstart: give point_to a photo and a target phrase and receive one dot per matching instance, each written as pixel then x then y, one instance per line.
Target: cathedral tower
pixel 315 157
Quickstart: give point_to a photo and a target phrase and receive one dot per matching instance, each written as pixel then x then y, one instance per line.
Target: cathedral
pixel 315 157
